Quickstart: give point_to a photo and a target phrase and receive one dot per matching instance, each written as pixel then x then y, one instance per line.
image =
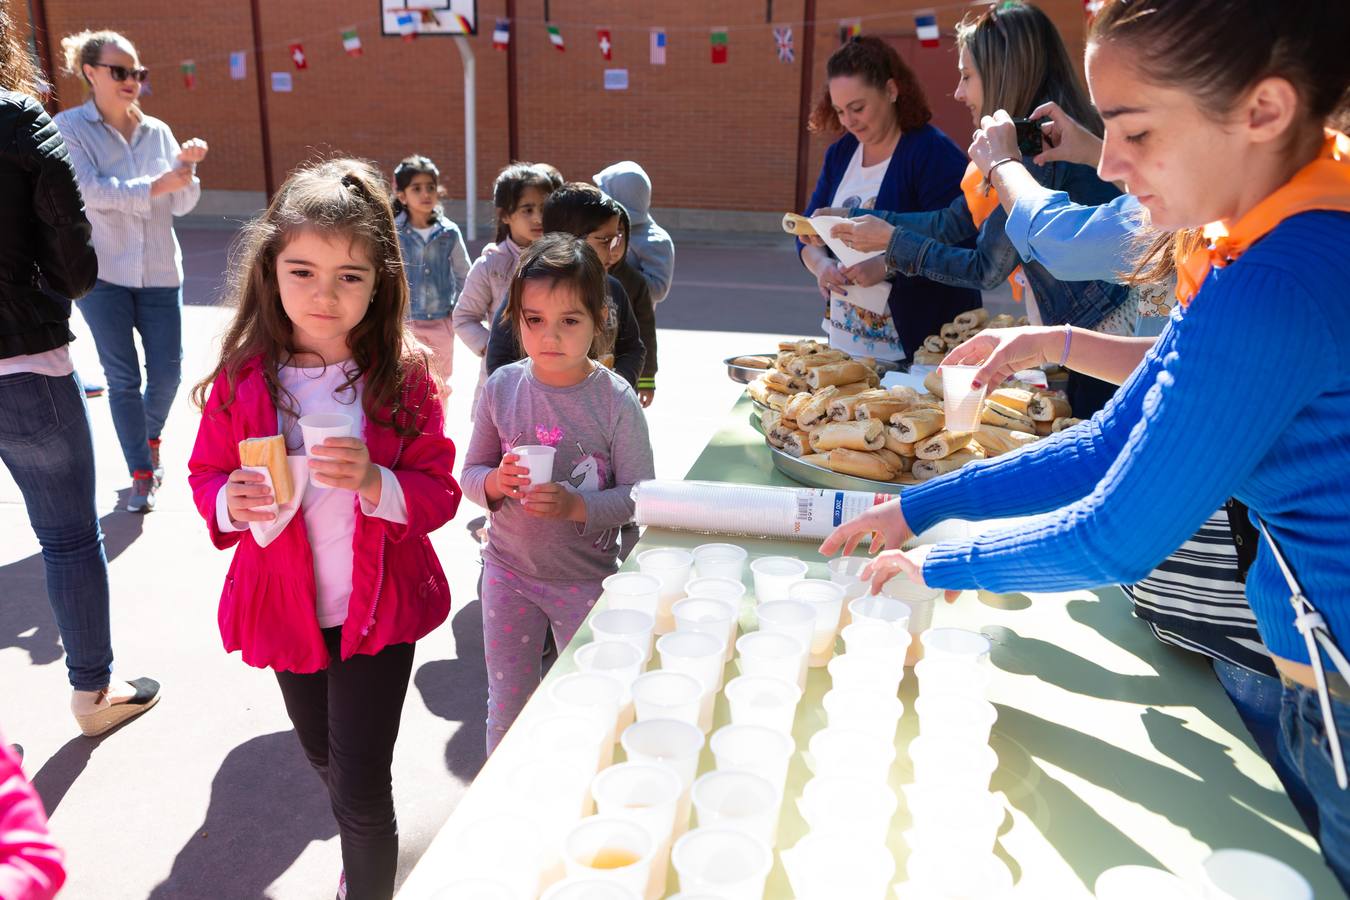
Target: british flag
pixel 783 38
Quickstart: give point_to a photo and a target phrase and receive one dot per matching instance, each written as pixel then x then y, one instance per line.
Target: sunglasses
pixel 122 73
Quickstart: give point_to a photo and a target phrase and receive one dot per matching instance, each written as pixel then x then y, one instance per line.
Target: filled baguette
pixel 1062 423
pixel 943 444
pixel 972 319
pixel 1013 398
pixel 995 413
pixel 269 452
pixel 896 445
pixel 925 469
pixel 859 436
pixel 932 383
pixel 842 408
pixel 798 225
pixel 917 423
pixel 860 465
pixel 838 373
pixel 1047 407
pixel 997 440
pixel 752 362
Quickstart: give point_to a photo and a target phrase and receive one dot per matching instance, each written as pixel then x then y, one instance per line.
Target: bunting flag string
pixel 351 41
pixel 556 39
pixel 501 34
pixel 782 38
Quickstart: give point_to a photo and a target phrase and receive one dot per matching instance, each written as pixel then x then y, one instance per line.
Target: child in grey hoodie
pixel 650 249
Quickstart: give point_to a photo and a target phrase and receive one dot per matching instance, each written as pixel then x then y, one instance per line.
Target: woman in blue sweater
pixel 1214 112
pixel 889 157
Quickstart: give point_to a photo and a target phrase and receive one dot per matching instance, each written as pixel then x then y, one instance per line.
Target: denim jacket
pixel 922 245
pixel 436 267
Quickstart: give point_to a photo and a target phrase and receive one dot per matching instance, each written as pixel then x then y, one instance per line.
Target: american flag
pixel 783 38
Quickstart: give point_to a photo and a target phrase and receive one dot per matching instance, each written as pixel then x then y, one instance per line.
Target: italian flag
pixel 555 38
pixel 719 46
pixel 351 42
pixel 189 70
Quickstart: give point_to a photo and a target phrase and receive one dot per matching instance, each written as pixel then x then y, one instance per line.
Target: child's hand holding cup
pixel 531 465
pixel 316 429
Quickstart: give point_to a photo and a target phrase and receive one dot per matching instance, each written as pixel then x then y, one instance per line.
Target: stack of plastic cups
pixel 954 817
pixel 649 796
pixel 672 567
pixel 729 591
pixel 619 660
pixel 700 656
pixel 826 599
pixel 719 561
pixel 795 619
pixel 773 575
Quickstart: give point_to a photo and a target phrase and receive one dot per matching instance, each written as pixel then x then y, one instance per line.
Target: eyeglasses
pixel 122 73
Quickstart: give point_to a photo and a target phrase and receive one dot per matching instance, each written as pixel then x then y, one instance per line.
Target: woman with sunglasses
pixel 135 178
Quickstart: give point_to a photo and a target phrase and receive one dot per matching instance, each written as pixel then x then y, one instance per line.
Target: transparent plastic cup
pixel 772 654
pixel 955 643
pixel 878 608
pixel 672 567
pixel 720 561
pixel 477 889
pixel 628 625
pixel 1247 875
pixel 875 639
pixel 619 660
pixel 854 807
pixel 826 599
pixel 316 428
pixel 505 849
pixel 667 742
pixel 585 889
pixel 866 672
pixel 697 655
pixel 598 697
pixel 643 793
pixel 951 821
pixel 921 602
pixel 770 702
pixel 538 459
pixel 953 763
pixel 727 589
pixel 790 617
pixel 607 848
pixel 754 748
pixel 632 590
pixel 708 616
pixel 870 710
pixel 668 695
pixel 773 574
pixel 830 866
pixel 847 570
pixel 553 794
pixel 728 864
pixel 577 740
pixel 960 402
pixel 953 676
pixel 955 716
pixel 741 801
pixel 834 751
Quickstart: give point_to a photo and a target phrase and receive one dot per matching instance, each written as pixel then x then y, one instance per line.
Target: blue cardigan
pixel 924 174
pixel 1246 394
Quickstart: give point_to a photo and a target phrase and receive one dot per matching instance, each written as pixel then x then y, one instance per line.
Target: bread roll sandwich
pixel 798 225
pixel 925 469
pixel 849 435
pixel 842 408
pixel 860 465
pixel 913 425
pixel 817 459
pixel 997 440
pixel 881 409
pixel 896 445
pixel 1062 423
pixel 1047 407
pixel 995 413
pixel 804 364
pixel 972 319
pixel 935 344
pixel 895 460
pixel 798 444
pixel 838 373
pixel 1002 320
pixel 950 333
pixel 269 452
pixel 943 444
pixel 904 393
pixel 752 362
pixel 1013 398
pixel 932 383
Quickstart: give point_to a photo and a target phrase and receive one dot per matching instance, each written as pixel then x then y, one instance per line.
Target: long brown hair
pixel 1217 50
pixel 17 72
pixel 1022 63
pixel 344 198
pixel 560 259
pixel 510 186
pixel 875 62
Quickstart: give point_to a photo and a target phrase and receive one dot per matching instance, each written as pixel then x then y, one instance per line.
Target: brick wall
pixel 712 137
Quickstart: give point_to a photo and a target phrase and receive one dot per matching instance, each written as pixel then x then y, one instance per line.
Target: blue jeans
pixel 1257 698
pixel 114 313
pixel 1304 751
pixel 46 445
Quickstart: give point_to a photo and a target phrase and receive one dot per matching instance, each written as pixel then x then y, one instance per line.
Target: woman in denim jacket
pixel 994 76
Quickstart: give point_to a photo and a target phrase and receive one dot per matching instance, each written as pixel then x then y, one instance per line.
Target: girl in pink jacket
pixel 30 862
pixel 331 588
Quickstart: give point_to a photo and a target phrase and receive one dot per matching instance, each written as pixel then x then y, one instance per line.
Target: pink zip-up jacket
pixel 399 592
pixel 31 866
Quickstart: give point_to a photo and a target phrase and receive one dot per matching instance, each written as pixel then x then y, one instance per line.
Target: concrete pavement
pixel 208 796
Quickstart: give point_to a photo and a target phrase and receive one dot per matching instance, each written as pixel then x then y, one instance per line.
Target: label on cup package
pixel 821 511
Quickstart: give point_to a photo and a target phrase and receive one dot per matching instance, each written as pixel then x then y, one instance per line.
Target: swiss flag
pixel 606 45
pixel 297 53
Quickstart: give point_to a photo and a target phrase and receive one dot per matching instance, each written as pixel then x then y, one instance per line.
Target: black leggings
pixel 347 718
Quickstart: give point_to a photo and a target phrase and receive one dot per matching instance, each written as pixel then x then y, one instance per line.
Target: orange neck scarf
pixel 982 200
pixel 1322 184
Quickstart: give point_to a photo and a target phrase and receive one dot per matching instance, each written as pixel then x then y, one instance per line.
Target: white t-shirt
pixel 53 363
pixel 425 232
pixel 851 328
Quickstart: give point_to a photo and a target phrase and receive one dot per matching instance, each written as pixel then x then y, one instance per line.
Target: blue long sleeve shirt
pixel 1246 394
pixel 1076 242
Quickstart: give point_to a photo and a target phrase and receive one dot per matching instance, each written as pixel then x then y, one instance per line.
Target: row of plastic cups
pixel 830 866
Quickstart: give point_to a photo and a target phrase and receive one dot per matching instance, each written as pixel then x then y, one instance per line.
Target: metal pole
pixel 804 102
pixel 264 128
pixel 512 125
pixel 37 14
pixel 470 139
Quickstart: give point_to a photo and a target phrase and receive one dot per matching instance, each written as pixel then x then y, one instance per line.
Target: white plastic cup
pixel 632 590
pixel 827 600
pixel 478 889
pixel 875 639
pixel 728 864
pixel 773 574
pixel 619 660
pixel 720 561
pixel 835 751
pixel 830 866
pixel 667 742
pixel 708 616
pixel 577 740
pixel 866 672
pixel 960 402
pixel 318 427
pixel 856 807
pixel 672 567
pixel 953 676
pixel 697 655
pixel 955 716
pixel 553 793
pixel 955 643
pixel 921 602
pixel 754 748
pixel 880 609
pixel 645 794
pixel 607 848
pixel 1133 882
pixel 847 570
pixel 874 711
pixel 538 459
pixel 628 625
pixel 728 589
pixel 952 763
pixel 667 695
pixel 507 849
pixel 790 617
pixel 955 822
pixel 770 702
pixel 598 697
pixel 585 889
pixel 741 801
pixel 773 654
pixel 1246 875
pixel 969 876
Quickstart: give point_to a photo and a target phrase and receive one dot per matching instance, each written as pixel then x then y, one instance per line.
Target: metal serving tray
pixel 815 476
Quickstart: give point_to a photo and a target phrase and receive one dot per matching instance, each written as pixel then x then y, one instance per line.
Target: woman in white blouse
pixel 135 178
